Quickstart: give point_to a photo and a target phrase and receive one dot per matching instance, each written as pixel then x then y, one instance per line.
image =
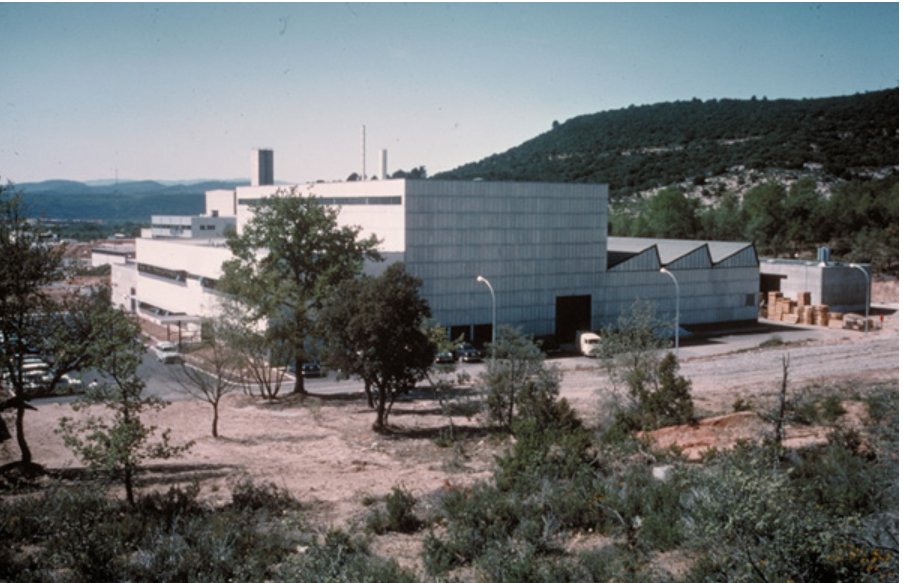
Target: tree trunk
pixel 299 376
pixel 369 391
pixel 129 491
pixel 381 412
pixel 20 432
pixel 215 419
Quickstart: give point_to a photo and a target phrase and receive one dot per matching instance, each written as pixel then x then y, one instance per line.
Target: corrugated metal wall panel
pixel 744 258
pixel 645 261
pixel 697 259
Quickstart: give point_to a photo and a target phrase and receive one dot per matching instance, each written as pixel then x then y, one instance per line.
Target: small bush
pixel 251 497
pixel 399 514
pixel 773 342
pixel 341 558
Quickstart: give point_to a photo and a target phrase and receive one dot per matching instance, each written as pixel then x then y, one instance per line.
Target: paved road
pixel 709 361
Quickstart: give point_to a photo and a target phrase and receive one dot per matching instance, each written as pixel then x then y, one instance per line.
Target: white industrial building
pixel 543 247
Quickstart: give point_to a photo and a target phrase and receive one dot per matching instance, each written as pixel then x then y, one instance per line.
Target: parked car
pixel 167 352
pixel 445 357
pixel 309 370
pixel 65 385
pixel 467 353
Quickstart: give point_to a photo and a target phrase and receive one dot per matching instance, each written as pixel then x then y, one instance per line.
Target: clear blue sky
pixel 184 91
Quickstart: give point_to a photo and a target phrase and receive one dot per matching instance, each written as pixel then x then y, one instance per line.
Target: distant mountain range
pixel 641 148
pixel 633 150
pixel 118 201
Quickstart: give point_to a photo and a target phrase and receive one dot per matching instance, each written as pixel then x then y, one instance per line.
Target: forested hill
pixel 120 201
pixel 639 148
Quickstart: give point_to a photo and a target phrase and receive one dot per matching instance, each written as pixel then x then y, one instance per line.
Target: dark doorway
pixel 770 283
pixel 482 335
pixel 572 313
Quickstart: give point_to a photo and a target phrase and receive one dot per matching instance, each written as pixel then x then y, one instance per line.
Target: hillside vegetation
pixel 639 148
pixel 789 175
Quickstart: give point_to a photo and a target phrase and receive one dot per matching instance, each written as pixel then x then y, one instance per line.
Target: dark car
pixel 311 370
pixel 308 369
pixel 445 357
pixel 467 353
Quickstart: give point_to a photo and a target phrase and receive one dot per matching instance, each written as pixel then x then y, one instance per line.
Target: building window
pixel 174 275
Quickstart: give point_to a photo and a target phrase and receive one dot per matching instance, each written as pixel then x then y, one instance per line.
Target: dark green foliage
pixel 638 148
pixel 341 558
pixel 633 355
pixel 307 256
pixel 398 516
pixel 249 496
pixel 660 401
pixel 374 330
pixel 518 384
pixel 755 514
pixel 80 534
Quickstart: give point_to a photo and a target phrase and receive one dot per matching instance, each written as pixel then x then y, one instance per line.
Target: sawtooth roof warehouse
pixel 544 248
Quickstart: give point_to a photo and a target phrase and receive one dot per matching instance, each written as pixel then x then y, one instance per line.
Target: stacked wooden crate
pixel 804 309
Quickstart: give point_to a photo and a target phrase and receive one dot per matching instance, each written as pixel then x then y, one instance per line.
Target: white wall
pixel 386 221
pixel 204 258
pixel 221 201
pixel 123 278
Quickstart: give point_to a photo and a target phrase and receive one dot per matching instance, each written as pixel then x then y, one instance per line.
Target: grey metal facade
pixel 534 242
pixel 719 281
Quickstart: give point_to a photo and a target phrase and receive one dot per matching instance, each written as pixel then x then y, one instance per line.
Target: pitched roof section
pixel 637 254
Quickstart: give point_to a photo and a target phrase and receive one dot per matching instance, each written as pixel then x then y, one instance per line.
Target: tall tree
pixel 376 333
pixel 764 207
pixel 672 215
pixel 287 259
pixel 27 265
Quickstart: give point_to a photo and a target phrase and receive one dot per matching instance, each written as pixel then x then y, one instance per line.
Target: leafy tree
pixel 671 214
pixel 516 377
pixel 764 207
pixel 376 333
pixel 418 172
pixel 118 444
pixel 632 354
pixel 291 254
pixel 723 221
pixel 216 367
pixel 803 210
pixel 27 266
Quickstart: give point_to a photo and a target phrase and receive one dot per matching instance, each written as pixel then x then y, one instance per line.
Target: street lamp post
pixel 868 291
pixel 676 313
pixel 482 279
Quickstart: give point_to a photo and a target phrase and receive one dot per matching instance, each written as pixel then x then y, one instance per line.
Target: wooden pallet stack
pixel 802 311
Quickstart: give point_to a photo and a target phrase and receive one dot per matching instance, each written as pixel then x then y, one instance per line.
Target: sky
pixel 186 91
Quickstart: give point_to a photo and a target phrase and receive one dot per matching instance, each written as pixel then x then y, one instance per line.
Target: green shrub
pixel 399 514
pixel 82 534
pixel 249 496
pixel 341 558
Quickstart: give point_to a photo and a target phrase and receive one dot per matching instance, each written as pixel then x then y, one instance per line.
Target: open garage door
pixel 572 313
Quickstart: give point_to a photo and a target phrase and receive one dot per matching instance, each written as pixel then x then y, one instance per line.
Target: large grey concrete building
pixel 543 247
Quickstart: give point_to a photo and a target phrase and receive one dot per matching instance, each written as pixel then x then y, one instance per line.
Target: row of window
pixel 338 200
pixel 179 276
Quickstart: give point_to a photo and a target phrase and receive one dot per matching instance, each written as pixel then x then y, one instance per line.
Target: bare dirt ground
pixel 324 452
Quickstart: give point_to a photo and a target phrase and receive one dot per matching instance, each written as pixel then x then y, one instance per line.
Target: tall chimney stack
pixel 261 167
pixel 383 164
pixel 363 152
